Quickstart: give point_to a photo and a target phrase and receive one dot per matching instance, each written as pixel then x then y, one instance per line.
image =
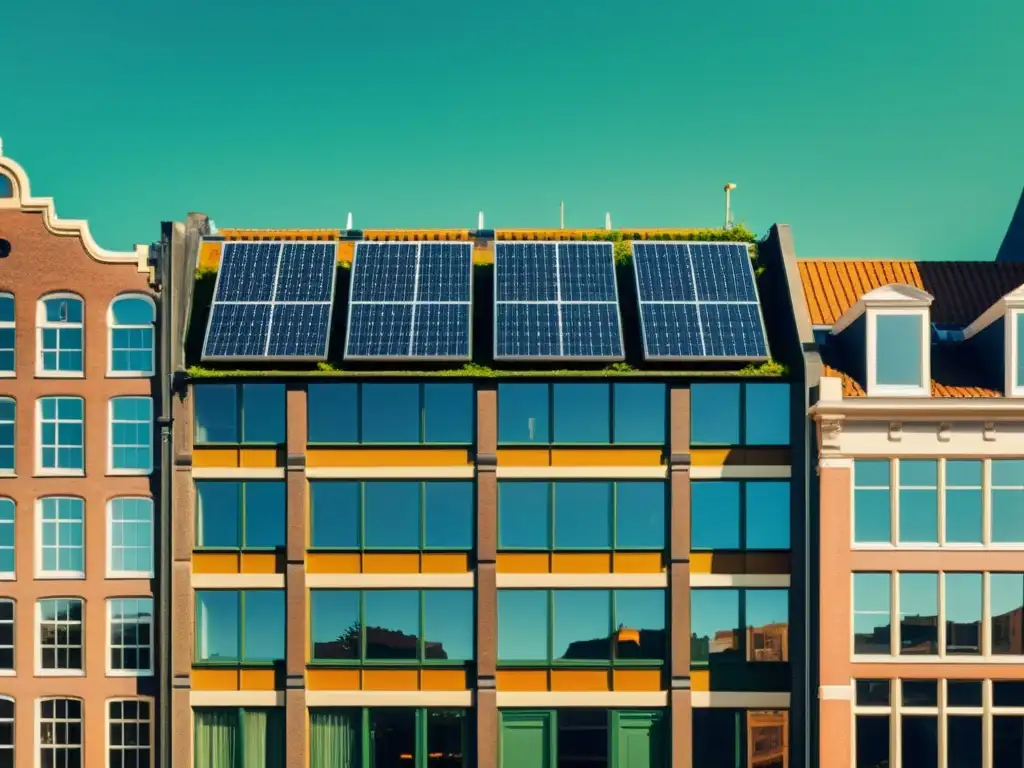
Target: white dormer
pixel 896 322
pixel 1005 319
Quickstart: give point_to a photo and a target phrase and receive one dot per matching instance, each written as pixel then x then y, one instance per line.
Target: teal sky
pixel 874 128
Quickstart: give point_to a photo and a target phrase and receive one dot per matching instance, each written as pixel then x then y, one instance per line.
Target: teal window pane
pixel 523 625
pixel 715 414
pixel 8 419
pixel 265 514
pixel 963 613
pixel 334 627
pixel 218 513
pixel 523 413
pixel 767 510
pixel 1006 597
pixel 640 514
pixel 6 308
pixel 218 624
pixel 767 620
pixel 582 624
pixel 449 623
pixel 449 514
pixel 7 537
pixel 524 515
pixel 919 614
pixel 264 627
pixel 582 413
pixel 643 611
pixel 333 413
pixel 898 352
pixel 263 419
pixel 392 514
pixel 215 411
pixel 714 625
pixel 639 413
pixel 919 501
pixel 1007 473
pixel 391 413
pixel 715 512
pixel 392 624
pixel 334 513
pixel 131 536
pixel 964 501
pixel 871 502
pixel 448 413
pixel 583 515
pixel 872 614
pixel 766 414
pixel 1019 320
pixel 1007 515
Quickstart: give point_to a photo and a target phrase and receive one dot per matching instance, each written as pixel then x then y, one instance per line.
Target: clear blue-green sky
pixel 875 128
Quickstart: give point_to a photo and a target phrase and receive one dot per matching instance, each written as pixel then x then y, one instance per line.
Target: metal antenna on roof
pixel 608 221
pixel 728 205
pixel 561 215
pixel 348 221
pixel 480 221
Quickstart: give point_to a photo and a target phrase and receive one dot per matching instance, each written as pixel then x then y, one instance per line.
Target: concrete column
pixel 296 642
pixel 679 576
pixel 181 632
pixel 486 576
pixel 681 722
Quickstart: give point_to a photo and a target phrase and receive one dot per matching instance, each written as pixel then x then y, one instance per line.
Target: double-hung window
pixel 7 346
pixel 61 640
pixel 60 322
pixel 130 727
pixel 6 732
pixel 131 435
pixel 61 537
pixel 6 637
pixel 130 319
pixel 61 436
pixel 8 536
pixel 130 543
pixel 60 733
pixel 131 636
pixel 8 441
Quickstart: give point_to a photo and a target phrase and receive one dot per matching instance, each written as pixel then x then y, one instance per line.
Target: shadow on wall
pixel 1012 248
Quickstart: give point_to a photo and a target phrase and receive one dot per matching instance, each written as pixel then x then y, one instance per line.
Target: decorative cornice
pixel 917 409
pixel 830 429
pixel 22 199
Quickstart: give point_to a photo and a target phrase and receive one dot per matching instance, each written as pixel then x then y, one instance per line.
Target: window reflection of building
pixel 629 644
pixel 766 739
pixel 380 643
pixel 769 642
pixel 1008 632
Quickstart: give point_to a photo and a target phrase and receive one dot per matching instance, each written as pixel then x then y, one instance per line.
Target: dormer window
pixel 998 339
pixel 899 349
pixel 1016 361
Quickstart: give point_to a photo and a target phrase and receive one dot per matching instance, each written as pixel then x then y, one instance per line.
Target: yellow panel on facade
pixel 333 562
pixel 259 562
pixel 346 251
pixel 445 562
pixel 203 679
pixel 579 680
pixel 391 562
pixel 701 562
pixel 637 562
pixel 390 679
pixel 636 680
pixel 521 680
pixel 523 562
pixel 700 680
pixel 260 458
pixel 524 457
pixel 215 458
pixel 209 255
pixel 581 562
pixel 709 457
pixel 383 457
pixel 257 680
pixel 215 562
pixel 332 679
pixel 606 457
pixel 443 679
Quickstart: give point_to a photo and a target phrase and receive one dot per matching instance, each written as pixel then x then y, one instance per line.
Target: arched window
pixel 6 334
pixel 130 319
pixel 61 340
pixel 6 730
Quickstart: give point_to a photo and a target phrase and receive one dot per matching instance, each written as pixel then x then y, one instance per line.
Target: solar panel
pixel 698 300
pixel 556 300
pixel 272 300
pixel 410 301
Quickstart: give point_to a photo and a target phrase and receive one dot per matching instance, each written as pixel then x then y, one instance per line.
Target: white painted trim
pixel 389 698
pixel 581 580
pixel 152 731
pixel 873 388
pixel 238 581
pixel 120 472
pixel 390 580
pixel 892 296
pixel 21 198
pixel 738 700
pixel 111 327
pixel 236 699
pixel 37 623
pixel 58 472
pixel 40 574
pixel 37 707
pixel 921 409
pixel 111 573
pixel 108 626
pixel 740 580
pixel 43 324
pixel 239 473
pixel 659 472
pixel 835 692
pixel 390 473
pixel 1011 386
pixel 835 463
pixel 555 699
pixel 741 472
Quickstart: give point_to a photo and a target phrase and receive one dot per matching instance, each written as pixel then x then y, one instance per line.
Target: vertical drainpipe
pixel 166 446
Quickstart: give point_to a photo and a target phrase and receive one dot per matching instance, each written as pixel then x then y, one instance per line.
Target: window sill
pixel 236 664
pixel 126 575
pixel 415 444
pixel 975 658
pixel 60 576
pixel 377 663
pixel 130 374
pixel 8 576
pixel 129 472
pixel 60 673
pixel 5 474
pixel 129 673
pixel 7 375
pixel 957 547
pixel 198 444
pixel 59 374
pixel 584 663
pixel 8 673
pixel 59 473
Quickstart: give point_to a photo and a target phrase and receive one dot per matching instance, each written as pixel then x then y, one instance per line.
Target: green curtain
pixel 334 738
pixel 216 737
pixel 264 739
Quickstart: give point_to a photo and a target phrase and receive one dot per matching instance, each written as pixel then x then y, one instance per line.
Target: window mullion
pixel 240 412
pixel 941 614
pixel 741 630
pixel 423 519
pixel 894 618
pixel 613 635
pixel 551 626
pixel 986 502
pixel 420 744
pixel 362 520
pixel 362 627
pixel 615 520
pixel 241 625
pixel 894 501
pixel 422 395
pixel 240 739
pixel 941 499
pixel 552 503
pixel 242 523
pixel 611 413
pixel 421 644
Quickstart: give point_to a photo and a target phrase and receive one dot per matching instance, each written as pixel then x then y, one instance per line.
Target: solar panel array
pixel 556 300
pixel 698 301
pixel 410 301
pixel 272 300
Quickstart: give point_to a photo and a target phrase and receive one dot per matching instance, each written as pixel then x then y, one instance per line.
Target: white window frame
pixel 115 574
pixel 13 720
pixel 57 421
pixel 12 324
pixel 111 470
pixel 39 572
pixel 111 672
pixel 13 471
pixel 40 672
pixel 874 388
pixel 42 323
pixel 1014 387
pixel 986 488
pixel 38 738
pixel 149 702
pixel 112 326
pixel 11 575
pixel 13 671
